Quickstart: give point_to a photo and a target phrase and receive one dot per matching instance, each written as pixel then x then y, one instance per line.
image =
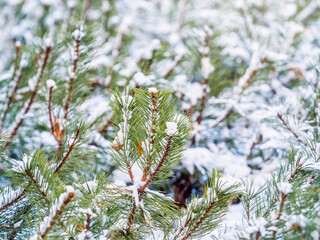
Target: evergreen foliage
pixel 228 148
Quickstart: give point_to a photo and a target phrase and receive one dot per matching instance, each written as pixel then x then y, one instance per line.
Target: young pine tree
pixel 42 203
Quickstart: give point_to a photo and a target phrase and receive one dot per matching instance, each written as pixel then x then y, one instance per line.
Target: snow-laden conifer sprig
pixel 55 212
pixel 74 142
pixel 34 171
pixel 9 197
pixel 122 142
pixel 77 35
pixel 204 214
pixel 179 55
pixel 54 125
pixel 12 131
pixel 283 194
pixel 155 159
pixel 151 126
pixel 16 81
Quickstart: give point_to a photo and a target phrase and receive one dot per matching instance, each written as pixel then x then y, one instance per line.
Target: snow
pixel 121 224
pixel 126 100
pixel 171 128
pixel 201 159
pixel 58 204
pixel 152 90
pixel 134 188
pixel 9 195
pixel 285 187
pixel 206 67
pixel 51 84
pixel 21 166
pixel 90 186
pixel 78 35
pixel 48 42
pixel 142 80
pixel 94 107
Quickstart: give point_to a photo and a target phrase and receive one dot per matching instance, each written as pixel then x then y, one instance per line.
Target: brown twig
pixel 258 235
pixel 7 227
pixel 254 144
pixel 50 117
pixel 18 50
pixel 58 213
pixel 200 221
pixel 163 159
pixel 153 131
pixel 13 201
pixel 10 99
pixel 248 210
pixel 69 151
pixel 184 226
pixel 131 216
pixel 204 84
pixel 88 223
pixel 282 201
pixel 72 78
pixel 203 100
pixel 290 129
pixel 295 173
pixel 105 126
pixel 34 93
pixel 130 171
pixel 36 185
pixel 87 6
pixel 177 61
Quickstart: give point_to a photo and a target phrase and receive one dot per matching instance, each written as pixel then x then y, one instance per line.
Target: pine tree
pixel 150 135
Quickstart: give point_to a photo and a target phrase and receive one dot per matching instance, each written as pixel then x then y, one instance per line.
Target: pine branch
pixel 15 200
pixel 131 216
pixel 7 227
pixel 253 68
pixel 88 222
pixel 77 42
pixel 283 199
pixel 184 226
pixel 10 99
pixel 36 185
pixel 177 60
pixel 153 131
pixel 205 74
pixel 18 50
pixel 87 7
pixel 106 125
pixel 34 93
pixel 75 141
pixel 188 235
pixel 55 213
pixel 290 129
pixel 254 144
pixel 258 235
pixel 163 159
pixel 50 117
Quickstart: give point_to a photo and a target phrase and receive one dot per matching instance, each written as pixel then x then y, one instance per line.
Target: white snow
pixel 51 84
pixel 285 187
pixel 206 67
pixel 8 195
pixel 171 128
pixel 21 166
pixel 152 90
pixel 78 35
pixel 54 208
